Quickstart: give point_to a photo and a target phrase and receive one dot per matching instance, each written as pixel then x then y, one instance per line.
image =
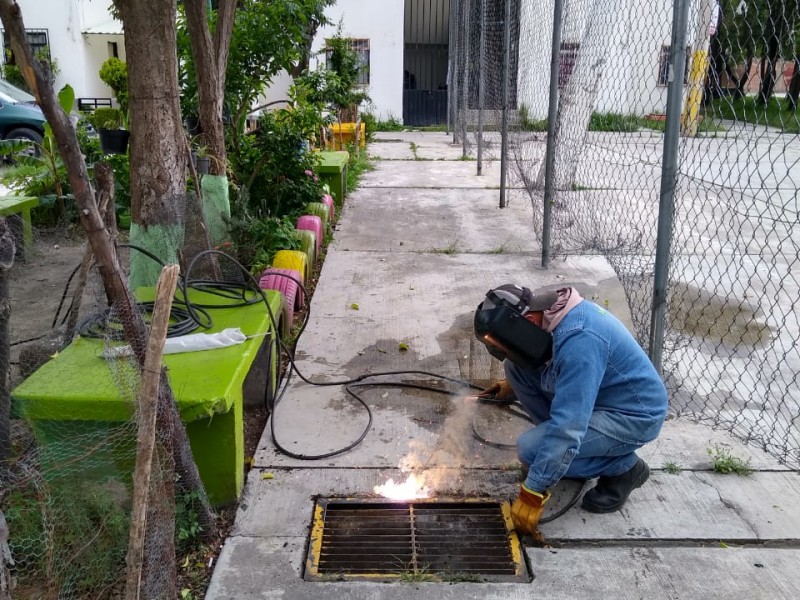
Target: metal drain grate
pixel 467 540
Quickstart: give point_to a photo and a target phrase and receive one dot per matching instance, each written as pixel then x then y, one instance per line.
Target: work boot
pixel 611 492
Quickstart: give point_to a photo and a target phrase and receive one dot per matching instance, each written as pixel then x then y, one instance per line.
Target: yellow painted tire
pixel 291 259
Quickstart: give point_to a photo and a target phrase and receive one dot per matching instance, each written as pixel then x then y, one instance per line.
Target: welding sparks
pixel 412 488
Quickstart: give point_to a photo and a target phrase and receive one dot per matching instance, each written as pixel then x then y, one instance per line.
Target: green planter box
pixel 78 395
pixel 333 171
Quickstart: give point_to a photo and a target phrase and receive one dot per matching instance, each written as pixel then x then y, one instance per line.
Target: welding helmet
pixel 500 324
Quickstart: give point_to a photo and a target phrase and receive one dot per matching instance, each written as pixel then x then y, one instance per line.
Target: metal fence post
pixel 481 91
pixel 465 80
pixel 455 19
pixel 669 172
pixel 552 115
pixel 504 125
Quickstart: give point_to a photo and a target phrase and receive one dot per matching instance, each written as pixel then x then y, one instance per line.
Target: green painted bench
pixel 332 170
pixel 20 205
pixel 77 393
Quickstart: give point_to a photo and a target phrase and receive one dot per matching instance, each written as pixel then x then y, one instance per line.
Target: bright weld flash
pixel 410 489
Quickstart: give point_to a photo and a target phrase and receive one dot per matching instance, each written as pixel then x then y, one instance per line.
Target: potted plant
pixel 109 123
pixel 200 159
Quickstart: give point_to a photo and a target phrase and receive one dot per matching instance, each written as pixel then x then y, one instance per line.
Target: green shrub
pixel 258 239
pixel 528 124
pixel 105 118
pixel 114 74
pixel 614 122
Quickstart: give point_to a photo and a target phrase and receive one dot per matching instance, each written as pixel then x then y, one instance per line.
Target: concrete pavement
pixel 416 247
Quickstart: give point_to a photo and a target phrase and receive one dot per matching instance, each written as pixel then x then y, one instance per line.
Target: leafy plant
pixel 257 240
pixel 672 468
pixel 358 164
pixel 187 523
pixel 13 75
pixel 723 461
pixel 528 124
pixel 344 93
pixel 106 118
pixel 274 167
pixel 114 74
pixel 67 537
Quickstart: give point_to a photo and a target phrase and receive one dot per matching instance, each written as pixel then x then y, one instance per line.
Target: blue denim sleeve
pixel 579 365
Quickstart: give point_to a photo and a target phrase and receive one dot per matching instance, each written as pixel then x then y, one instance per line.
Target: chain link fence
pixel 712 180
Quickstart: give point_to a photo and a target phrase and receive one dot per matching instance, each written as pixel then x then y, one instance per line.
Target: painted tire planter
pixel 319 209
pixel 308 244
pixel 291 293
pixel 327 200
pixel 291 259
pixel 314 224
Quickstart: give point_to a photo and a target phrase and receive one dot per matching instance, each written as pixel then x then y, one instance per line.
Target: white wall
pixel 78 55
pixel 637 31
pixel 382 23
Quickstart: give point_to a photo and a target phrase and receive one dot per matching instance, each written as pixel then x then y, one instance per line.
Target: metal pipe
pixel 669 172
pixel 552 116
pixel 504 124
pixel 481 91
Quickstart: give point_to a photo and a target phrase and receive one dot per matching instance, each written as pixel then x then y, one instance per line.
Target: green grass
pixel 672 468
pixel 748 110
pixel 358 164
pixel 451 249
pixel 724 462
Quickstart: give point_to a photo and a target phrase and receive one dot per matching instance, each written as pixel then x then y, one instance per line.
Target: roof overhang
pixel 111 27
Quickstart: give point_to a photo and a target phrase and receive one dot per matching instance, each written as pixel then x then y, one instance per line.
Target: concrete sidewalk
pixel 416 248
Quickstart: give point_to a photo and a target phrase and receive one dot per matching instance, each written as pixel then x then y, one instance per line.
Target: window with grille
pixel 664 64
pixel 361 49
pixel 37 38
pixel 566 62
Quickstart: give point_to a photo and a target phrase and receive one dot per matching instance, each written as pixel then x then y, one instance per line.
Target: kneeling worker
pixel 585 382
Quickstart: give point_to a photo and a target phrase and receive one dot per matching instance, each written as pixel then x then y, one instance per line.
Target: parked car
pixel 20 117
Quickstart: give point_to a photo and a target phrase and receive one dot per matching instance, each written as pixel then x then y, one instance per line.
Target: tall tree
pixel 158 148
pixel 210 53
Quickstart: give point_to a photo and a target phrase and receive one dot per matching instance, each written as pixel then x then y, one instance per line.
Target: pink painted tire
pixel 311 223
pixel 327 199
pixel 281 280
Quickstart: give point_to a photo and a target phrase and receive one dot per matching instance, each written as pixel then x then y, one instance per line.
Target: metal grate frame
pixel 378 540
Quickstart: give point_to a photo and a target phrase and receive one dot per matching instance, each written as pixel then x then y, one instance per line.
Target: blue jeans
pixel 599 454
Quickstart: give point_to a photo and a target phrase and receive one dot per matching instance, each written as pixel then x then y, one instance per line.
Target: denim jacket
pixel 598 372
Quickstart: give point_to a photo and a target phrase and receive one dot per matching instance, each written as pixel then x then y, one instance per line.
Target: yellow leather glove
pixel 500 390
pixel 527 509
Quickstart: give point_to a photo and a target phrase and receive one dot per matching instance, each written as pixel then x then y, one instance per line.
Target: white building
pixel 80 35
pixel 407 44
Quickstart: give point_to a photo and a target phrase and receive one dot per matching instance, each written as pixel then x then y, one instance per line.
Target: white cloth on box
pixel 194 342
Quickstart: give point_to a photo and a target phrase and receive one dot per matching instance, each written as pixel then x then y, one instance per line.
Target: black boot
pixel 611 493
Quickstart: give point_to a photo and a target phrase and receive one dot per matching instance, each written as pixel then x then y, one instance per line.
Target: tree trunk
pixel 211 61
pixel 742 83
pixel 7 249
pixel 99 237
pixel 158 151
pixel 793 95
pixel 6 560
pixel 576 103
pixel 769 61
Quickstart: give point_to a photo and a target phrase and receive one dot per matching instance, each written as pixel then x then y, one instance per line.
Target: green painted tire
pixel 321 210
pixel 308 244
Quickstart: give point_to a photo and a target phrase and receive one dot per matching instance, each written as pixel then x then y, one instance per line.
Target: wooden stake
pixel 146 438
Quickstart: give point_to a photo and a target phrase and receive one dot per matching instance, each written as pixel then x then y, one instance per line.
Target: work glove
pixel 527 509
pixel 500 391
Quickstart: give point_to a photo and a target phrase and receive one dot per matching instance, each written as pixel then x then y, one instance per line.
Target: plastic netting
pixel 730 348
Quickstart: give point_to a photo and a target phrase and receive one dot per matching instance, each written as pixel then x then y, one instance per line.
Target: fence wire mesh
pixel 730 349
pixel 68 487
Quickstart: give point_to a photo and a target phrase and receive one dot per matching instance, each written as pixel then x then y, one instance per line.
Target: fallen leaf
pixel 354 306
pixel 185 563
pixel 379 349
pixel 403 347
pixel 267 476
pixel 385 395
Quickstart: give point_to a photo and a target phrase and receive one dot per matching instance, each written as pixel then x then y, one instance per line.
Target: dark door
pixel 425 62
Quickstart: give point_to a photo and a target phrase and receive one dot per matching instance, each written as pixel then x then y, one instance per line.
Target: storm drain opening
pixel 465 540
